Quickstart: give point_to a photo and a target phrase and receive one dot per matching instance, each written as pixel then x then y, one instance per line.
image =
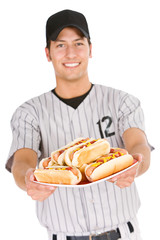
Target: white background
pixel 126 55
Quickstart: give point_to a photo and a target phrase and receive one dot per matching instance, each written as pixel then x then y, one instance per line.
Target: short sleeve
pixel 25 132
pixel 130 114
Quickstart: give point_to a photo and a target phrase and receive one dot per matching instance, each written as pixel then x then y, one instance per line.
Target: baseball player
pixel 76 108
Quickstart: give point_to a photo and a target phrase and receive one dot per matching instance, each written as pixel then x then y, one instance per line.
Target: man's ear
pixel 48 54
pixel 90 50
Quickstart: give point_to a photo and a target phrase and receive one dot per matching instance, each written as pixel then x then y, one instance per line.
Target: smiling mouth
pixel 71 65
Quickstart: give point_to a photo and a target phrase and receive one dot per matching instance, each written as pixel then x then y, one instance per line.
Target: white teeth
pixel 71 64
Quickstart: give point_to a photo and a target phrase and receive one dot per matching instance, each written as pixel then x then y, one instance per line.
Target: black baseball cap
pixel 66 18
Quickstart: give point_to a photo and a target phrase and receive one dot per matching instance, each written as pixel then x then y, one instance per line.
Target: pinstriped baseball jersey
pixel 45 123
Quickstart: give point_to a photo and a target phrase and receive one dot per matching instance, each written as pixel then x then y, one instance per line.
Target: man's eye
pixel 79 44
pixel 60 45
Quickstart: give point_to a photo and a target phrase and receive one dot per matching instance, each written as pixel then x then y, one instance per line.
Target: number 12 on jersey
pixel 108 119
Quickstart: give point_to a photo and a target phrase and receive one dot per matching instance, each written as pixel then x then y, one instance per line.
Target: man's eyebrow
pixel 79 39
pixel 75 40
pixel 59 40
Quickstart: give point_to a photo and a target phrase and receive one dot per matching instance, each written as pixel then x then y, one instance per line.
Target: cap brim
pixel 57 32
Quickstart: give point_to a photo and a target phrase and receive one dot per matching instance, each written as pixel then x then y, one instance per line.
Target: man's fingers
pixel 138 157
pixel 38 191
pixel 41 187
pixel 30 175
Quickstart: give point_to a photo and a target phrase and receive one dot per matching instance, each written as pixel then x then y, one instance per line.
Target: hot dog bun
pixel 46 162
pixel 82 170
pixel 58 155
pixel 84 155
pixel 60 176
pixel 106 169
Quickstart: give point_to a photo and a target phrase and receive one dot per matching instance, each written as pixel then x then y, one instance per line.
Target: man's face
pixel 69 55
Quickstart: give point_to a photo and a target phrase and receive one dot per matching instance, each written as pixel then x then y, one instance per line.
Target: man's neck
pixel 72 89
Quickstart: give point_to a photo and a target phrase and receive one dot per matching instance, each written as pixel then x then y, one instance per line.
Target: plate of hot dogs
pixel 83 162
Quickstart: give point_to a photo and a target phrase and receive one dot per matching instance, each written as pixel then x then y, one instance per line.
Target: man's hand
pixel 127 178
pixel 36 191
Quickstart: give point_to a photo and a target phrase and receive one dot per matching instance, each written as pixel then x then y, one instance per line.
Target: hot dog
pixel 58 155
pixel 87 152
pixel 45 162
pixel 58 175
pixel 82 170
pixel 117 160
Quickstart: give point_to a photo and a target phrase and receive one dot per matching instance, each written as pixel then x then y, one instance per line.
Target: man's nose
pixel 70 52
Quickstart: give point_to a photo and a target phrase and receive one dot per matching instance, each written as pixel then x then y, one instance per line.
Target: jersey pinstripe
pixel 45 123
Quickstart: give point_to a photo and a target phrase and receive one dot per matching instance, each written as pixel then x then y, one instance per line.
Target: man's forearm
pixel 19 171
pixel 24 159
pixel 136 143
pixel 144 150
